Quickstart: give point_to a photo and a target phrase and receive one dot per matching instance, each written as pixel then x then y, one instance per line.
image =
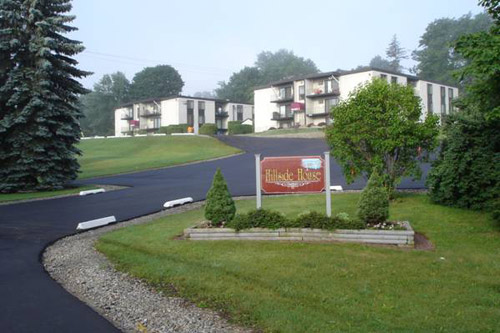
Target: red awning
pixel 134 122
pixel 297 106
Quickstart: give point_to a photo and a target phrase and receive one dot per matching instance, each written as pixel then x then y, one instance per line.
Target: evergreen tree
pixel 220 206
pixel 373 205
pixel 39 119
pixel 395 53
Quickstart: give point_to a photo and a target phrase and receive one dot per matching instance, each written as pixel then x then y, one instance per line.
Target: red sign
pixel 292 174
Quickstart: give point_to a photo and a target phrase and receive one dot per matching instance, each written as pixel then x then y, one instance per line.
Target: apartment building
pixel 307 100
pixel 149 115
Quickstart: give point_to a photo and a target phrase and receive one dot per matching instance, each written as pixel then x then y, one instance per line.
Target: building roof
pixel 159 99
pixel 346 72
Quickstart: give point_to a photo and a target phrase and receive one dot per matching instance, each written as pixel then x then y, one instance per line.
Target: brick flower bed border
pixel 387 237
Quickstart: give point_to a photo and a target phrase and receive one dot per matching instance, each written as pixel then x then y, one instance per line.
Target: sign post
pixel 257 181
pixel 327 185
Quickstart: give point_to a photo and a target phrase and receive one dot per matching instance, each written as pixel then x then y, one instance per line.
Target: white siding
pixel 169 112
pixel 264 109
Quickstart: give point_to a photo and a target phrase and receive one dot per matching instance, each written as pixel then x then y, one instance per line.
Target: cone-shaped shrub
pixel 219 206
pixel 373 206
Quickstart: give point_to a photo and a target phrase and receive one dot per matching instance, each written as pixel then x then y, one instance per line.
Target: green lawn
pixel 111 156
pixel 43 194
pixel 307 287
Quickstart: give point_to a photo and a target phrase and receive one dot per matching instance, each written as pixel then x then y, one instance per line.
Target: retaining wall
pixel 389 237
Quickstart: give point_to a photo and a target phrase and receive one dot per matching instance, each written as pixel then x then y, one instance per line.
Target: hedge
pixel 181 128
pixel 236 127
pixel 208 129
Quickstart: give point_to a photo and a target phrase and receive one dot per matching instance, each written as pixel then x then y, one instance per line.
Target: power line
pixel 143 60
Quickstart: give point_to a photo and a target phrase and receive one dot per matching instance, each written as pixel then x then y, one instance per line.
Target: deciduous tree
pixel 379 127
pixel 158 81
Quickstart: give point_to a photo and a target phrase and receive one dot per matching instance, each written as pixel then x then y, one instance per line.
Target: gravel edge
pixel 128 303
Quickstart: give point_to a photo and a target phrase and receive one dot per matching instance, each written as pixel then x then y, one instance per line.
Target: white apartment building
pixel 307 100
pixel 149 115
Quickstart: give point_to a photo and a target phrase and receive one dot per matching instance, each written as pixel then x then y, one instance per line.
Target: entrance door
pixel 300 118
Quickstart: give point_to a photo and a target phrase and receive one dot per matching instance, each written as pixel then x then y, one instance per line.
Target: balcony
pixel 127 116
pixel 319 93
pixel 283 99
pixel 150 113
pixel 282 117
pixel 221 114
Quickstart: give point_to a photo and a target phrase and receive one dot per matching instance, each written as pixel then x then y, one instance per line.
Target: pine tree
pixel 395 53
pixel 39 119
pixel 219 205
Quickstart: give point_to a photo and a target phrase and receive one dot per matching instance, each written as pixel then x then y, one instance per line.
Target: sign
pixel 292 174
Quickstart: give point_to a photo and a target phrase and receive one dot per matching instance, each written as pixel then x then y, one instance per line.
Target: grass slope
pixel 44 194
pixel 301 287
pixel 102 157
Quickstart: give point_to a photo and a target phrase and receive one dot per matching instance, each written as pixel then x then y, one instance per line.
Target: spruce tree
pixel 39 118
pixel 219 205
pixel 395 53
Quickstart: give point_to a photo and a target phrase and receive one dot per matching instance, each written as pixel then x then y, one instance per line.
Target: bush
pixel 263 218
pixel 180 128
pixel 467 171
pixel 259 218
pixel 235 127
pixel 208 129
pixel 314 220
pixel 344 221
pixel 373 206
pixel 219 207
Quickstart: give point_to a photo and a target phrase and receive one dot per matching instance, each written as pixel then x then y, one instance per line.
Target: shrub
pixel 219 206
pixel 467 171
pixel 344 221
pixel 180 128
pixel 373 206
pixel 236 127
pixel 208 129
pixel 259 218
pixel 314 220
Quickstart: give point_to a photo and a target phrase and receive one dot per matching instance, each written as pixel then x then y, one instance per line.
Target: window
pixel 239 112
pixel 285 111
pixel 234 112
pixel 330 103
pixel 450 100
pixel 429 98
pixel 201 113
pixel 285 92
pixel 302 92
pixel 443 100
pixel 156 122
pixel 383 77
pixel 190 113
pixel 219 123
pixel 394 79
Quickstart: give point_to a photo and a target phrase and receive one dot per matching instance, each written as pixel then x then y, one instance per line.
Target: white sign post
pixel 257 181
pixel 327 185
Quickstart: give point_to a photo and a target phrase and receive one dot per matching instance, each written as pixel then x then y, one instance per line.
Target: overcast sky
pixel 206 41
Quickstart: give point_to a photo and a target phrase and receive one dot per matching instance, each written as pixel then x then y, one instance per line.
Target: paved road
pixel 30 301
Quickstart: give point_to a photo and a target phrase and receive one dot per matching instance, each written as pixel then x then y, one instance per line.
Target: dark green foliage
pixel 219 206
pixel 467 171
pixel 208 129
pixel 435 55
pixel 158 81
pixel 99 106
pixel 373 205
pixel 379 127
pixel 314 220
pixel 381 63
pixel 180 128
pixel 269 67
pixel 264 218
pixel 259 218
pixel 236 127
pixel 240 85
pixel 39 116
